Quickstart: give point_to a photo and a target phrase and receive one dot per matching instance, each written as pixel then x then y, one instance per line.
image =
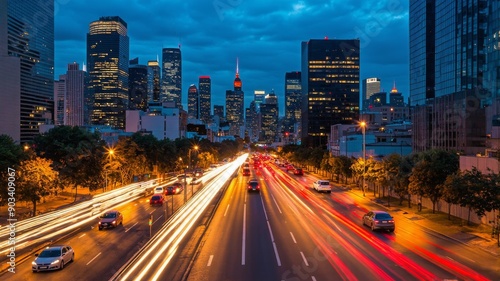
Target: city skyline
pixel 265 37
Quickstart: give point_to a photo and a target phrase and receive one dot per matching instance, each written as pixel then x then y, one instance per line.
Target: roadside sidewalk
pixel 457 229
pixel 63 199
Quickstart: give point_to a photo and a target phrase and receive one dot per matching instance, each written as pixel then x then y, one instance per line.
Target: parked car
pixel 322 185
pixel 379 220
pixel 52 258
pixel 157 199
pixel 298 172
pixel 175 188
pixel 110 219
pixel 253 185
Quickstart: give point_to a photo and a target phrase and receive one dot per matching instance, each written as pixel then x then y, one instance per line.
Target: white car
pixel 322 185
pixel 180 178
pixel 159 189
pixel 52 258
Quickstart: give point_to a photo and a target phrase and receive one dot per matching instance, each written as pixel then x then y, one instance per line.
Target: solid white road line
pixel 94 258
pixel 244 238
pixel 293 238
pixel 210 260
pixel 304 258
pixel 126 230
pixel 276 203
pixel 81 235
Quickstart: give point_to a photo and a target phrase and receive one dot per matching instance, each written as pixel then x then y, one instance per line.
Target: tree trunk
pixel 468 217
pixel 76 192
pixel 409 200
pixel 34 208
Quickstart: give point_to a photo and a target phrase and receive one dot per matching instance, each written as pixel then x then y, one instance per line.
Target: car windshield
pixel 108 215
pixel 156 198
pixel 253 183
pixel 50 253
pixel 324 183
pixel 383 216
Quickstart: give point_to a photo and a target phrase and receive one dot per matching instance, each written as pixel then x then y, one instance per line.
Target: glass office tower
pixel 205 92
pixel 448 67
pixel 107 65
pixel 26 67
pixel 330 87
pixel 171 87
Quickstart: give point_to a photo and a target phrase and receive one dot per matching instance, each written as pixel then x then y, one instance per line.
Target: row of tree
pixel 432 174
pixel 73 157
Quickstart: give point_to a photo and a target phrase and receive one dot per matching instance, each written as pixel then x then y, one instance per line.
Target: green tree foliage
pixel 36 179
pixel 454 189
pixel 430 172
pixel 11 155
pixel 75 153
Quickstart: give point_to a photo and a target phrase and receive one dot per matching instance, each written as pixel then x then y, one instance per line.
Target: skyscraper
pixel 235 105
pixel 108 60
pixel 219 111
pixel 448 67
pixel 171 86
pixel 60 100
pixel 205 89
pixel 269 118
pixel 330 87
pixel 293 103
pixel 153 80
pixel 137 85
pixel 26 67
pixel 193 102
pixel 75 95
pixel 369 87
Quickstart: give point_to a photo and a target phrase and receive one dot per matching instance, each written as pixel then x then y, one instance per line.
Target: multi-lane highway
pixel 284 232
pixel 289 232
pixel 99 254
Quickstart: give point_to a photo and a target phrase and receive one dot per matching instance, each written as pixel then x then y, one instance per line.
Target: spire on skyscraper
pixel 237 80
pixel 394 90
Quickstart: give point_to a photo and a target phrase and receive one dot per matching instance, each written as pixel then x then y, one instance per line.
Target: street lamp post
pixel 363 126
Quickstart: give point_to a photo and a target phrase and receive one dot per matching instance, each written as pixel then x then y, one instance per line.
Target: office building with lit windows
pixel 235 106
pixel 205 93
pixel 330 87
pixel 369 87
pixel 171 80
pixel 153 81
pixel 107 65
pixel 26 67
pixel 454 70
pixel 293 104
pixel 193 102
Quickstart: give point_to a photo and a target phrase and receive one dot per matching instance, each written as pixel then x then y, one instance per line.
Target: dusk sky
pixel 265 36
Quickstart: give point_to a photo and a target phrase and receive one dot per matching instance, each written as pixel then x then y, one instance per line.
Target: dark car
pixel 246 171
pixel 157 199
pixel 110 219
pixel 298 172
pixel 379 220
pixel 290 167
pixel 253 185
pixel 175 188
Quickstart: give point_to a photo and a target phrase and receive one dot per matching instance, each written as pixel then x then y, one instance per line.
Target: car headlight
pixel 54 262
pixel 33 263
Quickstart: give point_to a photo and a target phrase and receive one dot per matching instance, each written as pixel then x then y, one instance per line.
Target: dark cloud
pixel 264 35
